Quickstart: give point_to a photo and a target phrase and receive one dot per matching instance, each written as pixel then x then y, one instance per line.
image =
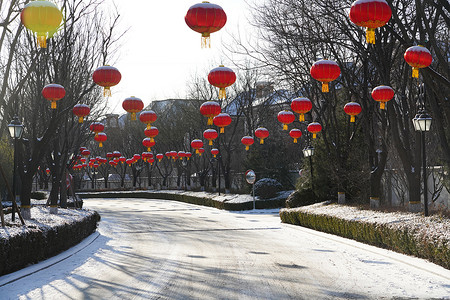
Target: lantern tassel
pixel 222 93
pixel 301 118
pixel 415 72
pixel 107 92
pixel 214 156
pixel 199 154
pixel 96 134
pixel 206 40
pixel 210 142
pixel 285 127
pixel 295 141
pixel 210 121
pixel 42 41
pixel 382 105
pixel 53 105
pixel 352 119
pixel 80 120
pixel 152 140
pixel 100 144
pixel 149 126
pixel 261 141
pixel 314 135
pixel 133 116
pixel 222 130
pixel 325 88
pixel 370 35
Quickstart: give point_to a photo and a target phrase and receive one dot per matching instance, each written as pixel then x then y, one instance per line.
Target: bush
pixel 267 188
pixel 38 195
pixel 301 198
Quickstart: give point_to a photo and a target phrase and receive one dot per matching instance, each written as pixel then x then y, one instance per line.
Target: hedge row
pixel 380 235
pixel 204 201
pixel 37 244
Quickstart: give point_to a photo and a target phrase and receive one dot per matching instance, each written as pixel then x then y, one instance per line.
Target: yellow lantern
pixel 43 18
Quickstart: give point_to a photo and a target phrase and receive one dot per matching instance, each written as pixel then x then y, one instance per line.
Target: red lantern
pixel 181 154
pixel 81 111
pixel 261 133
pixel 301 106
pixel 86 153
pixel 295 134
pixel 148 117
pixel 325 71
pixel 210 135
pixel 210 109
pixel 285 117
pixel 53 92
pixel 382 94
pixel 151 132
pixel 200 151
pixel 370 14
pixel 47 171
pixel 116 154
pixel 214 152
pixel 100 138
pixel 159 156
pixel 247 141
pixel 122 159
pixel 129 161
pixel 133 105
pixel 205 18
pixel 196 144
pixel 314 128
pixel 109 155
pixel 174 155
pixel 222 78
pixel 222 120
pixel 417 57
pixel 97 127
pixel 151 161
pixel 106 77
pixel 136 157
pixel 352 109
pixel 148 143
pixel 188 155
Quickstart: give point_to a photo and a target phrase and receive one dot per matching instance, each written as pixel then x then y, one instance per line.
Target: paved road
pixel 153 249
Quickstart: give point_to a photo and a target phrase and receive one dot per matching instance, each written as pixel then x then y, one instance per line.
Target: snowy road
pixel 152 249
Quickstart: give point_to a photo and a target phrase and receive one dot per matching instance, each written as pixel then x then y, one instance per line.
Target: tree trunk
pixel 63 190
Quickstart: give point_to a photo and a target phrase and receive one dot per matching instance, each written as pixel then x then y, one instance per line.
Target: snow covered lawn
pixel 409 233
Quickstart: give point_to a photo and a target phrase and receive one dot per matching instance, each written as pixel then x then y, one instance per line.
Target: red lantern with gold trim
pixel 97 127
pixel 261 133
pixel 151 133
pixel 188 155
pixel 222 120
pixel 314 128
pixel 81 111
pixel 210 109
pixel 210 135
pixel 201 151
pixel 325 71
pixel 53 92
pixel 352 109
pixel 301 106
pixel 100 138
pixel 295 134
pixel 418 57
pixel 159 156
pixel 370 14
pixel 214 151
pixel 106 77
pixel 247 141
pixel 222 77
pixel 382 94
pixel 148 143
pixel 205 18
pixel 196 144
pixel 148 117
pixel 133 105
pixel 285 117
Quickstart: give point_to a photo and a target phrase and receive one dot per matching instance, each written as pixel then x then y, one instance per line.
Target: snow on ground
pixel 434 227
pixel 42 219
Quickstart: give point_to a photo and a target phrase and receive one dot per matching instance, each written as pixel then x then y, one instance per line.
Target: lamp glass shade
pixel 308 151
pixel 424 122
pixel 15 128
pixel 415 123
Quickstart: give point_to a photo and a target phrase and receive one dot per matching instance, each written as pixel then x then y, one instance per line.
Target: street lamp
pixel 309 152
pixel 15 130
pixel 422 123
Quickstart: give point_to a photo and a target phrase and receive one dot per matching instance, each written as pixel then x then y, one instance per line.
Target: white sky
pixel 160 53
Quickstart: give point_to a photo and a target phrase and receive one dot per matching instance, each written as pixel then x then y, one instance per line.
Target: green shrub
pixel 267 188
pixel 301 198
pixel 38 195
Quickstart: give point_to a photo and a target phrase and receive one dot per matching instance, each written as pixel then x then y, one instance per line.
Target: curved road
pixel 154 249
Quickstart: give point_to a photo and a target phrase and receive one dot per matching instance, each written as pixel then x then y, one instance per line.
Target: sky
pixel 159 53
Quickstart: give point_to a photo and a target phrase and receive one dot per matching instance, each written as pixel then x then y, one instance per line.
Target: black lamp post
pixel 422 123
pixel 309 152
pixel 15 130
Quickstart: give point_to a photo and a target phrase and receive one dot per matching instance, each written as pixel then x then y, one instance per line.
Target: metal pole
pixel 312 176
pixel 254 203
pixel 13 216
pixel 425 185
pixel 218 167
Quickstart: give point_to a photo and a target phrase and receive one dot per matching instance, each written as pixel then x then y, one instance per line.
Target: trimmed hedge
pixel 261 204
pixel 379 235
pixel 36 244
